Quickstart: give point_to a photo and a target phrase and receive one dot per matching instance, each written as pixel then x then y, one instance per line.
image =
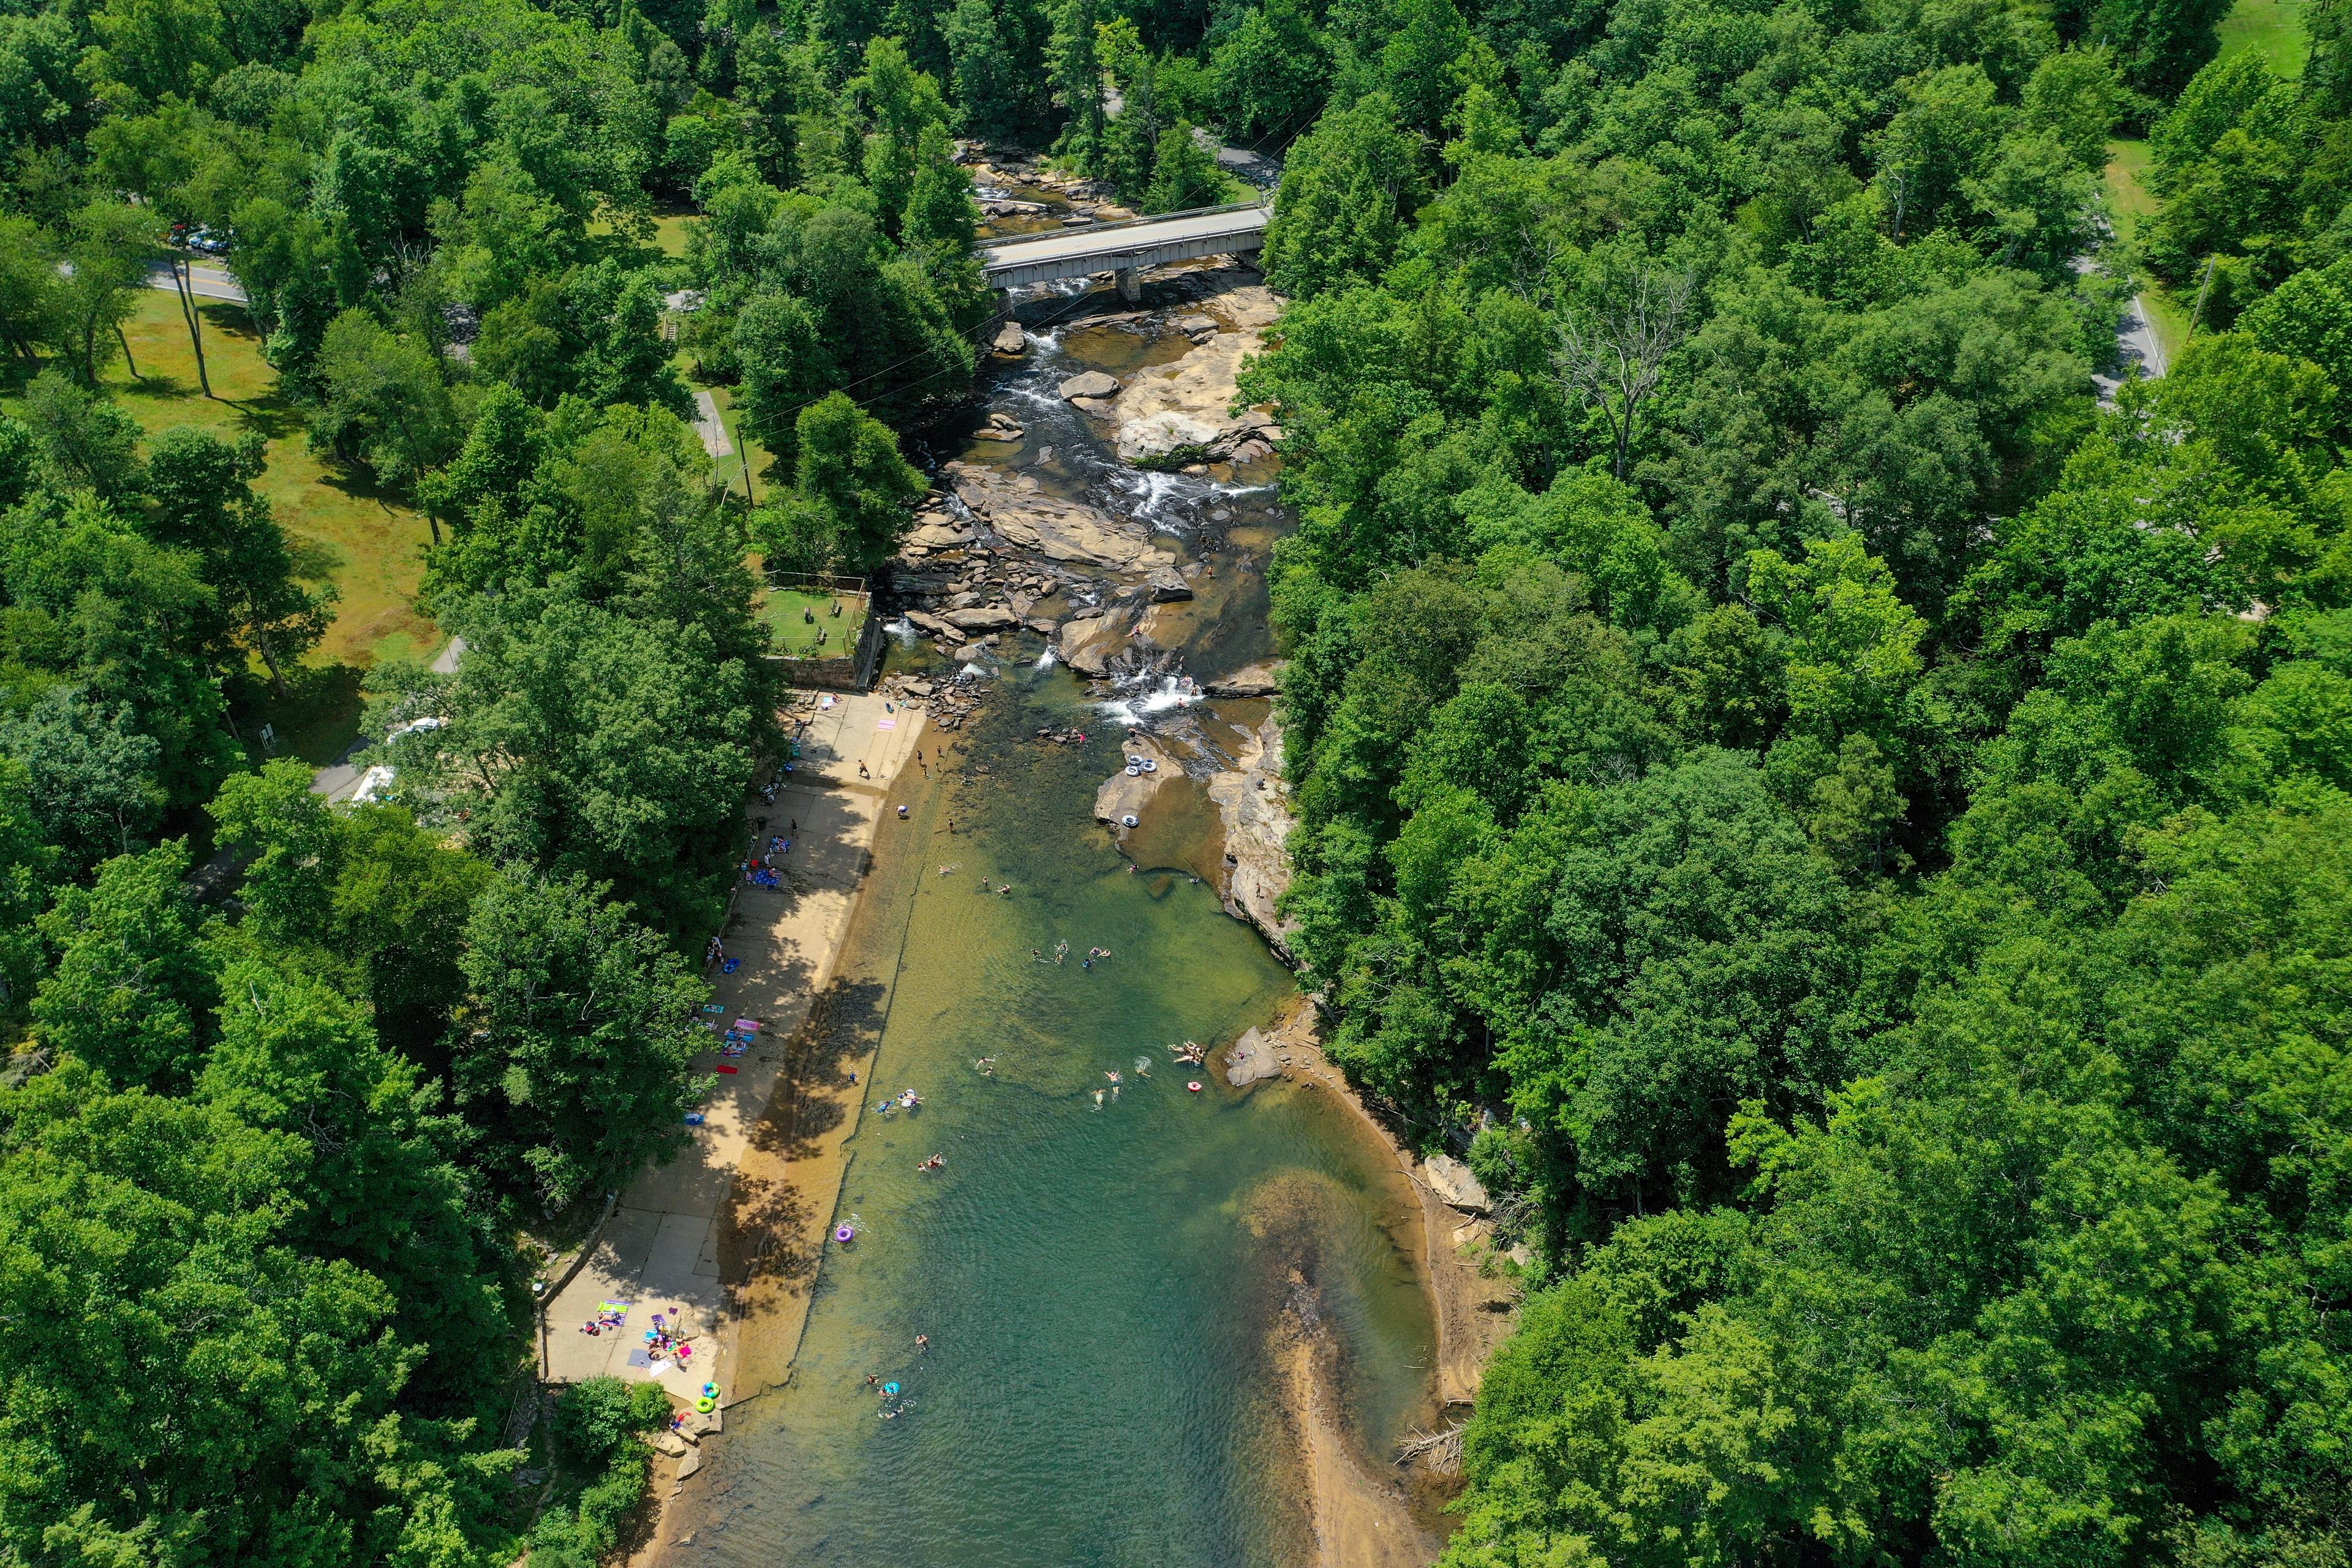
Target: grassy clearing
pixel 372 544
pixel 2270 30
pixel 2133 204
pixel 669 232
pixel 787 612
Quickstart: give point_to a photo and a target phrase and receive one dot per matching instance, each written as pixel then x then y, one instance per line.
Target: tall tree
pixel 575 1048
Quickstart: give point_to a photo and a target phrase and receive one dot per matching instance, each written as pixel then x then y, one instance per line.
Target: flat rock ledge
pixel 1254 804
pixel 1025 516
pixel 1125 794
pixel 1261 680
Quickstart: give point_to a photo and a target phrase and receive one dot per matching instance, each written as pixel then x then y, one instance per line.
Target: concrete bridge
pixel 1125 248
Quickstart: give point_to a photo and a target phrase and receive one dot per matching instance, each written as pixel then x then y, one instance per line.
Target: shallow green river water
pixel 1099 1275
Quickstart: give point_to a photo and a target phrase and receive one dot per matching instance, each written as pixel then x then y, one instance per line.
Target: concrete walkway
pixel 658 1252
pixel 711 427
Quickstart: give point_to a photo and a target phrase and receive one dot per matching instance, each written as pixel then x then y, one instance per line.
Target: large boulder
pixel 1451 1180
pixel 1010 339
pixel 1087 645
pixel 937 625
pixel 1251 1058
pixel 1166 584
pixel 1091 383
pixel 1125 794
pixel 1182 410
pixel 947 535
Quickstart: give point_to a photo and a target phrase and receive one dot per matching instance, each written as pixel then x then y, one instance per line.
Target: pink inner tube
pixel 844 1233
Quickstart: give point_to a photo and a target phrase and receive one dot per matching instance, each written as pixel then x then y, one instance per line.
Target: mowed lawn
pixel 375 544
pixel 796 617
pixel 2271 29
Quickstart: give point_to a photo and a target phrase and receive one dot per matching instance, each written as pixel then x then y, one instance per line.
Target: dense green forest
pixel 1848 834
pixel 1846 829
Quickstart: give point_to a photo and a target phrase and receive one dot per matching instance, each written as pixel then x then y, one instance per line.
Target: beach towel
pixel 639 1358
pixel 724 1067
pixel 886 723
pixel 749 1026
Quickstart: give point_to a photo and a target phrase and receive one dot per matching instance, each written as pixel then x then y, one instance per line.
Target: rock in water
pixel 1166 584
pixel 949 535
pixel 982 618
pixel 1092 383
pixel 1176 413
pixel 1125 794
pixel 1451 1180
pixel 935 626
pixel 1251 1058
pixel 1010 339
pixel 1088 646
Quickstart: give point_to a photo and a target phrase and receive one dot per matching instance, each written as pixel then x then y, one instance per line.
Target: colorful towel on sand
pixel 886 723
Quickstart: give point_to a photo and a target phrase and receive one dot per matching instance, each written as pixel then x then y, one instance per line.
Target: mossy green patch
pixel 2270 30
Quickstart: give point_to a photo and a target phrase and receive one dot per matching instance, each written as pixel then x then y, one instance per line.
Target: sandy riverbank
pixel 1363 1514
pixel 1476 1308
pixel 683 1234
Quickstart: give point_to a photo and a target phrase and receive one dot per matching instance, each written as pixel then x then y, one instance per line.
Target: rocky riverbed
pixel 1109 507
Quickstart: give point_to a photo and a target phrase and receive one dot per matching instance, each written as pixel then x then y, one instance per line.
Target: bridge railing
pixel 985 246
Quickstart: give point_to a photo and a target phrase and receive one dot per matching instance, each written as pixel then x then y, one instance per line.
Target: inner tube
pixel 890 1388
pixel 1131 820
pixel 845 1235
pixel 706 1405
pixel 1194 1085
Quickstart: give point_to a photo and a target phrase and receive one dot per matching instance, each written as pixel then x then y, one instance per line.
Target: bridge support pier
pixel 1131 284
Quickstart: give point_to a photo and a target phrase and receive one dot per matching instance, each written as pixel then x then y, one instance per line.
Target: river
pixel 1113 1274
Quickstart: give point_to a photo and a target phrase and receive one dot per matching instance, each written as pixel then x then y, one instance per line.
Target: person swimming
pixel 1099 1100
pixel 1110 1075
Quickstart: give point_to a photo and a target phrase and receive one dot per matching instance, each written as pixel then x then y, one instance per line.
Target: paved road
pixel 2139 340
pixel 2135 337
pixel 710 427
pixel 207 283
